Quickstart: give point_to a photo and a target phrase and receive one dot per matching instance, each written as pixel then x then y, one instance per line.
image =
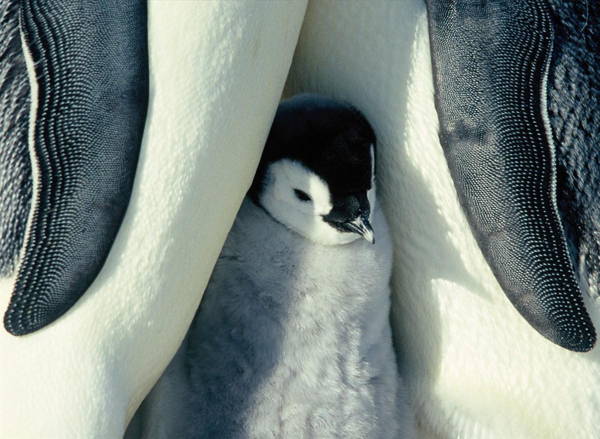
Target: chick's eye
pixel 301 195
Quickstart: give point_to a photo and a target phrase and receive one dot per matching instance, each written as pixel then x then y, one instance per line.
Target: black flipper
pixel 91 71
pixel 15 168
pixel 574 109
pixel 491 61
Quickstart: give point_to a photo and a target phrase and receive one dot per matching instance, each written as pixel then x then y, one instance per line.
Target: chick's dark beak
pixel 361 226
pixel 351 214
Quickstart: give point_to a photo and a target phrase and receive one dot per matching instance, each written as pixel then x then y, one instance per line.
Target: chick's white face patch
pixel 286 176
pixel 283 181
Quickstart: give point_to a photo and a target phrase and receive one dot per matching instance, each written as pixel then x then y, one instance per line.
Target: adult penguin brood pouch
pixel 292 338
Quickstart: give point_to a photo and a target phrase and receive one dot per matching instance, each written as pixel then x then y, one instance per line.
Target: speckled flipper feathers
pixel 90 62
pixel 573 104
pixel 490 64
pixel 15 169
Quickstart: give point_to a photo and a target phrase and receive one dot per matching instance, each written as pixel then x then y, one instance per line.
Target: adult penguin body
pixel 103 345
pixel 474 367
pixel 292 338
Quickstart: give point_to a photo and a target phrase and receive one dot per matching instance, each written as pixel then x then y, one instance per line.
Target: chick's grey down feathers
pixel 292 340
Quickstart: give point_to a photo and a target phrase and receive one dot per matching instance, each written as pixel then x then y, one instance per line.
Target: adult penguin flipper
pixel 87 63
pixel 491 65
pixel 15 168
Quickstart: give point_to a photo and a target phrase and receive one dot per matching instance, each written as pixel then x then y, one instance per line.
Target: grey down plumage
pixel 292 340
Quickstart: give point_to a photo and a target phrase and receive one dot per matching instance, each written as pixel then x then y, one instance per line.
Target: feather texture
pixel 292 339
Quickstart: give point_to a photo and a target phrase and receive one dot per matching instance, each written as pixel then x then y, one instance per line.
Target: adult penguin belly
pixel 102 322
pixel 474 366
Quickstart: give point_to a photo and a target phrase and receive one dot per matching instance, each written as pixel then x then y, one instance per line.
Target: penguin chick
pixel 292 338
pixel 316 172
